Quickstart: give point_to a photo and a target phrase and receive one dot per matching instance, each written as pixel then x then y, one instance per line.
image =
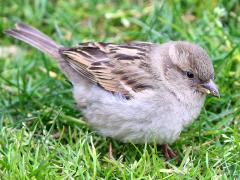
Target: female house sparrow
pixel 135 92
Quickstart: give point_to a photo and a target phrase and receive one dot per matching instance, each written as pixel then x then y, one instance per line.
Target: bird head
pixel 190 69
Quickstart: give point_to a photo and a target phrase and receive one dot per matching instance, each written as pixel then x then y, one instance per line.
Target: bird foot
pixel 168 152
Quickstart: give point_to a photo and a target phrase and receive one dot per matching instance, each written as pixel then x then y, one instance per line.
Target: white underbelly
pixel 140 120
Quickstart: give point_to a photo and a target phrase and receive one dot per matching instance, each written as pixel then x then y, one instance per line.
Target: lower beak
pixel 209 88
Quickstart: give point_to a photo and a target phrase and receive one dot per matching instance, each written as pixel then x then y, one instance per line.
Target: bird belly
pixel 141 120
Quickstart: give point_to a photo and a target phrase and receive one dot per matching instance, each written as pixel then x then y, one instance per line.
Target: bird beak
pixel 209 88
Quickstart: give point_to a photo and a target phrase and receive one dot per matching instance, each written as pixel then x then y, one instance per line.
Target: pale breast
pixel 146 118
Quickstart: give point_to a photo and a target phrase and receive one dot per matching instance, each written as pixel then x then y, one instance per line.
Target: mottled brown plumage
pixel 116 68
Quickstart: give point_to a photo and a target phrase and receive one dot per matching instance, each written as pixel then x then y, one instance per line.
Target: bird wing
pixel 116 68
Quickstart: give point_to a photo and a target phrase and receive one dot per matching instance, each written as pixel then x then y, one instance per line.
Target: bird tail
pixel 35 38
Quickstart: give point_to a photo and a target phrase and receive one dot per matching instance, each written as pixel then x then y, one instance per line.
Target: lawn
pixel 43 135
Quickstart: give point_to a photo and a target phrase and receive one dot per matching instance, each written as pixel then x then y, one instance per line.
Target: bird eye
pixel 190 75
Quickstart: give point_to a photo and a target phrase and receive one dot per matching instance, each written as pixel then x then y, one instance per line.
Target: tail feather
pixel 35 38
pixel 42 42
pixel 32 30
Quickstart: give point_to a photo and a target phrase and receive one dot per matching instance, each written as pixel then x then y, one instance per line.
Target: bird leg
pixel 168 152
pixel 110 152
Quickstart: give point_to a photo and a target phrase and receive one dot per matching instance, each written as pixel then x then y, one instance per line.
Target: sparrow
pixel 136 92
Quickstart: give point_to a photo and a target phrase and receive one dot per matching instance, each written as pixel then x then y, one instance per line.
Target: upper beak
pixel 210 88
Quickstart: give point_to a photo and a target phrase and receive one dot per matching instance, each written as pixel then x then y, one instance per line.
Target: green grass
pixel 43 135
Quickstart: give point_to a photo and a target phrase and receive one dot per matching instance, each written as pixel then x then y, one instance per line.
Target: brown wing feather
pixel 116 68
